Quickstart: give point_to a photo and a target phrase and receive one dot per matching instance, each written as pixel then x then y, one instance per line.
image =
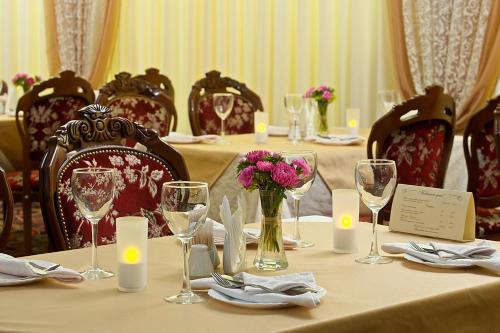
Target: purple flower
pixel 309 92
pixel 257 155
pixel 246 176
pixel 327 95
pixel 284 175
pixel 265 166
pixel 303 166
pixel 30 81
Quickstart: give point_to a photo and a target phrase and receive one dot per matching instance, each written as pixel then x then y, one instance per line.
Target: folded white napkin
pixel 277 130
pixel 235 239
pixel 14 271
pixel 252 236
pixel 278 283
pixel 444 259
pixel 336 140
pixel 174 137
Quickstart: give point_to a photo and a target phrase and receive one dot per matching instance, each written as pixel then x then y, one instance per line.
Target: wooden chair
pixel 202 116
pixel 481 156
pixel 497 129
pixel 4 88
pixel 158 80
pixel 95 141
pixel 137 100
pixel 418 135
pixel 44 108
pixel 8 206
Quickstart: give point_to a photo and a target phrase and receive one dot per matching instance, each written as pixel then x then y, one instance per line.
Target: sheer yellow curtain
pixel 23 39
pixel 274 46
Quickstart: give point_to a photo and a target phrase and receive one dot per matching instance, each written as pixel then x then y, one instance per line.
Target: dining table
pixel 401 296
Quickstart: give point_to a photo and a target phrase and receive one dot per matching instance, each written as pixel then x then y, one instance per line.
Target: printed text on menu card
pixel 433 212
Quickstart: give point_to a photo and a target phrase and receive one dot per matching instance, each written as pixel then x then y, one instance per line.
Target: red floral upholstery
pixel 239 121
pixel 45 117
pixel 143 110
pixel 140 177
pixel 15 180
pixel 487 221
pixel 417 151
pixel 489 173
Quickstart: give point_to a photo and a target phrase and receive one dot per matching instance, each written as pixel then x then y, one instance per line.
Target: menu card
pixel 433 212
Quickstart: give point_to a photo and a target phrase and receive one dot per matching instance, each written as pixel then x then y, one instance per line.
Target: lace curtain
pixel 444 43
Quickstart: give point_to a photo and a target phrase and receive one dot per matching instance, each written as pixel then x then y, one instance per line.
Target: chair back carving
pixel 95 141
pixel 158 80
pixel 137 100
pixel 202 116
pixel 6 196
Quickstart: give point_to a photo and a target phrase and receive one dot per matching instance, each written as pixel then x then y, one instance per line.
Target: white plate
pixel 11 280
pixel 238 302
pixel 455 263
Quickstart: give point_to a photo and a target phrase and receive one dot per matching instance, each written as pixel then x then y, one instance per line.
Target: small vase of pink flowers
pixel 25 81
pixel 323 95
pixel 272 176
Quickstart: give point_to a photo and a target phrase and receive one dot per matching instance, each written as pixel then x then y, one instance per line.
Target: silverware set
pixel 40 270
pixel 431 249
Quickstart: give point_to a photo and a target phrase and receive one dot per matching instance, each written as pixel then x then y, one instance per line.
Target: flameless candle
pixel 261 121
pixel 345 211
pixel 132 252
pixel 352 119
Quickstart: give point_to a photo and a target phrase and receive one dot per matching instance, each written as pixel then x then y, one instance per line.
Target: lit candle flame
pixel 353 123
pixel 131 255
pixel 345 221
pixel 261 127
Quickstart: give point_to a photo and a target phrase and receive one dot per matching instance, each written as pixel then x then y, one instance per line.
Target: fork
pixel 223 282
pixel 40 270
pixel 418 248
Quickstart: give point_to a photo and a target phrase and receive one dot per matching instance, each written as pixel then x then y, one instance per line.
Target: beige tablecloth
pixel 397 297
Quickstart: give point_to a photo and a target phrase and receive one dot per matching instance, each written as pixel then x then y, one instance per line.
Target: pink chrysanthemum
pixel 246 176
pixel 257 155
pixel 309 92
pixel 304 167
pixel 327 95
pixel 322 88
pixel 284 175
pixel 265 166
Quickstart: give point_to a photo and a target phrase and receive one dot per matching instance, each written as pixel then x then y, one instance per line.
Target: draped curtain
pixel 81 35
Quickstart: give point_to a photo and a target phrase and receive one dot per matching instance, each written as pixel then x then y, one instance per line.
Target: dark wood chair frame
pixel 97 128
pixel 8 206
pixel 124 85
pixel 497 129
pixel 475 125
pixel 154 77
pixel 5 88
pixel 67 84
pixel 213 83
pixel 433 105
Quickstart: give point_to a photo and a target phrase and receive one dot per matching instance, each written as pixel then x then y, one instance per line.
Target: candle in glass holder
pixel 261 122
pixel 132 252
pixel 352 119
pixel 345 211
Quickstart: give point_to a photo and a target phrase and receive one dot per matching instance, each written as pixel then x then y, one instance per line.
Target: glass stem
pixel 186 283
pixel 95 265
pixel 296 207
pixel 295 130
pixel 222 129
pixel 374 247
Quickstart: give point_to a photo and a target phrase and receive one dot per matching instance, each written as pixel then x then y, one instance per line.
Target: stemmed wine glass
pixel 185 206
pixel 93 190
pixel 223 105
pixel 294 103
pixel 375 181
pixel 387 99
pixel 307 160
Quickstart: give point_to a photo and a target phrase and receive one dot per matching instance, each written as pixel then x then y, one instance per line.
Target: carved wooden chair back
pixel 202 116
pixel 482 166
pixel 137 100
pixel 8 205
pixel 418 135
pixel 95 141
pixel 155 78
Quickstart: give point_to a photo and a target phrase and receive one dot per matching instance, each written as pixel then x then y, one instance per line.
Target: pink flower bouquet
pixel 323 95
pixel 25 81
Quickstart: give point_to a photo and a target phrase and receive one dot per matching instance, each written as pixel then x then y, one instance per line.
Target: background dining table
pixel 396 297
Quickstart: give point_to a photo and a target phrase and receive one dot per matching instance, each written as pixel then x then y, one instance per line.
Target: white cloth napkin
pixel 235 239
pixel 278 283
pixel 252 236
pixel 13 270
pixel 336 140
pixel 445 259
pixel 277 130
pixel 174 137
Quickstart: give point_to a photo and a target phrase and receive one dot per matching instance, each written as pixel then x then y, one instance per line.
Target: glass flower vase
pixel 271 252
pixel 323 118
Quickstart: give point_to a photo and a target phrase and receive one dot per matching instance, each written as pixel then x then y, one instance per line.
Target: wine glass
pixel 223 105
pixel 185 206
pixel 93 190
pixel 375 181
pixel 308 159
pixel 294 103
pixel 387 99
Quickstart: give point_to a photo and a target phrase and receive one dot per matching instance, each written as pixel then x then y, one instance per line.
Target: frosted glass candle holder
pixel 261 124
pixel 345 211
pixel 132 253
pixel 352 120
